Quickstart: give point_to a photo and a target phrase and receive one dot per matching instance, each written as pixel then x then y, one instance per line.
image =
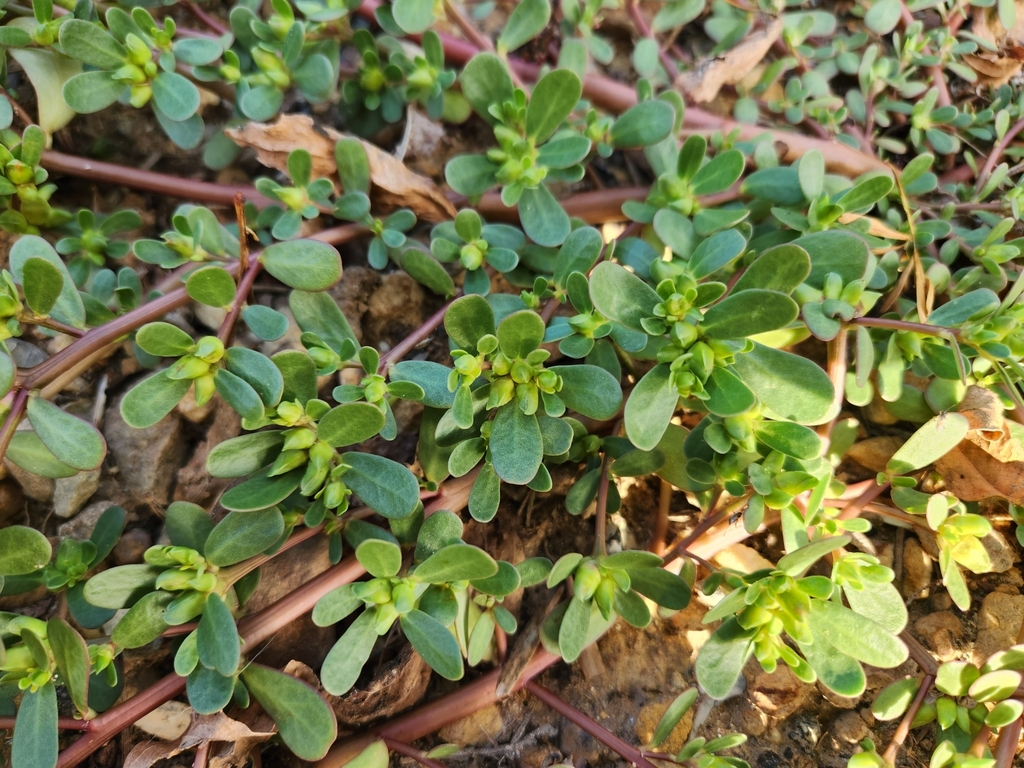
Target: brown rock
pixel 132 546
pixel 837 701
pixel 352 295
pixel 917 570
pixel 749 719
pixel 1002 555
pixel 194 483
pixel 12 502
pixel 482 727
pixel 301 640
pixel 147 458
pixel 850 727
pixel 875 452
pixel 941 631
pixel 999 621
pixel 34 486
pixel 779 694
pixel 394 310
pixel 647 720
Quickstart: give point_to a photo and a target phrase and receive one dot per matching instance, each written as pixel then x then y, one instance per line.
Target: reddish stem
pixel 645 31
pixel 404 749
pixel 64 723
pixel 903 325
pixel 410 342
pixel 997 153
pixel 855 506
pixel 215 24
pixel 588 724
pixel 1006 744
pixel 150 181
pixel 244 286
pixel 903 729
pixel 601 516
pixel 13 419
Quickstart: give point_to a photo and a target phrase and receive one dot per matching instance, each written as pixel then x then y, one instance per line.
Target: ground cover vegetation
pixel 764 257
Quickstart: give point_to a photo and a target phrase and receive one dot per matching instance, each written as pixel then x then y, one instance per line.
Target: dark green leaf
pixel 456 562
pixel 72 440
pixel 749 313
pixel 650 407
pixel 242 535
pixel 212 286
pixel 151 399
pixel 22 550
pixel 434 643
pixel 217 637
pixel 516 445
pixel 350 423
pixel 386 486
pixel 791 387
pixel 622 296
pixel 43 283
pixel 35 730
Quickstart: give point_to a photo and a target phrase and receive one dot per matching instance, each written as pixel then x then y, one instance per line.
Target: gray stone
pixel 148 459
pixel 999 551
pixel 71 493
pixel 81 525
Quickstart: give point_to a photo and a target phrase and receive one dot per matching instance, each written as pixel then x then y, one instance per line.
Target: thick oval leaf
pixel 976 303
pixel 208 690
pixel 68 307
pixel 152 399
pixel 650 407
pixel 431 377
pixel 622 296
pixel 781 268
pixel 28 452
pixel 527 20
pixel 456 562
pixel 790 386
pixel 317 312
pixel 122 586
pixel 386 486
pixel 350 423
pixel 881 603
pixel 543 218
pixel 485 81
pixel 212 286
pixel 854 635
pixel 164 340
pixel 144 621
pixel 749 313
pixel 930 443
pixel 260 492
pixel 72 657
pixel 835 250
pixel 380 558
pixel 308 265
pixel 305 721
pixel 716 252
pixel 553 99
pixel 91 44
pixel 727 395
pixel 517 448
pixel 35 729
pixel 791 439
pixel 468 319
pixel 345 660
pixel 589 390
pixel 43 283
pixel 241 456
pixel 242 535
pixel 836 671
pixel 427 271
pixel 434 643
pixel 217 638
pixel 573 631
pixel 643 125
pixel 22 550
pixel 175 95
pixel 721 659
pixel 74 441
pixel 520 333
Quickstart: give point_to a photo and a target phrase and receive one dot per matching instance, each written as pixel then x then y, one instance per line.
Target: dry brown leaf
pixel 204 728
pixel 400 685
pixel 989 461
pixel 703 83
pixel 393 185
pixel 874 452
pixel 168 721
pixel 997 67
pixel 876 227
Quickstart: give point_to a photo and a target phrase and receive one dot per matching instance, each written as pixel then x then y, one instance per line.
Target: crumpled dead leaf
pixel 204 728
pixel 703 83
pixel 400 685
pixel 997 67
pixel 989 461
pixel 238 737
pixel 393 185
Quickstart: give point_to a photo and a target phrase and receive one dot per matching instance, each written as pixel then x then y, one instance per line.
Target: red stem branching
pixel 903 729
pixel 623 749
